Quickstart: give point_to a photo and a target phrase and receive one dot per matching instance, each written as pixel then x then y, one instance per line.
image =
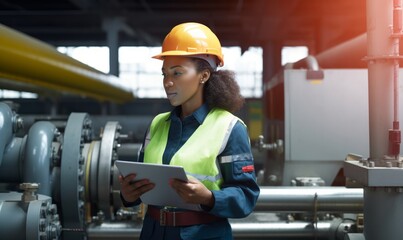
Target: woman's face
pixel 182 83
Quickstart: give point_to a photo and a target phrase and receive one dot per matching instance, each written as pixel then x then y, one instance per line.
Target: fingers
pixel 190 192
pixel 193 191
pixel 140 187
pixel 132 190
pixel 126 180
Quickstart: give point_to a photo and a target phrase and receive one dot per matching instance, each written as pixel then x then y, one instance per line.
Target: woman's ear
pixel 205 75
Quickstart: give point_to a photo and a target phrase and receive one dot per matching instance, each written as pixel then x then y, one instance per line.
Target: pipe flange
pixel 49 224
pixel 107 156
pixel 77 133
pixel 42 221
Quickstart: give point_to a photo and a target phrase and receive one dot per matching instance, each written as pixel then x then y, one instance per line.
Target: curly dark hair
pixel 221 90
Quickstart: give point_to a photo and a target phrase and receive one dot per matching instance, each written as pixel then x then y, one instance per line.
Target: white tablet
pixel 159 174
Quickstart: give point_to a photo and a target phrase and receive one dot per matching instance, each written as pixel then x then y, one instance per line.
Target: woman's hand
pixel 132 190
pixel 193 191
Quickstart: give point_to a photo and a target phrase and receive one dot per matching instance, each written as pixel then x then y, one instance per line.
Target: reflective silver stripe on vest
pixel 201 177
pixel 234 158
pixel 227 134
pixel 223 145
pixel 147 140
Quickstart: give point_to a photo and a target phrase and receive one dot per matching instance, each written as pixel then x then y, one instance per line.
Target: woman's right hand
pixel 132 190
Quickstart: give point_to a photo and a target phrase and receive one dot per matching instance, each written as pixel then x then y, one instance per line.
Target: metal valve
pixel 275 146
pixel 29 191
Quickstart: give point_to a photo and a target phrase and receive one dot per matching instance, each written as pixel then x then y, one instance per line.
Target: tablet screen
pixel 159 174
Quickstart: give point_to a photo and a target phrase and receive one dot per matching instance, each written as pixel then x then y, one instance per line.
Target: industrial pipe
pixel 323 230
pixel 38 156
pixel 395 134
pixel 11 167
pixel 310 62
pixel 383 211
pixel 310 199
pixel 114 230
pixel 28 216
pixel 380 75
pixel 30 61
pixel 348 54
pixel 271 199
pixel 6 128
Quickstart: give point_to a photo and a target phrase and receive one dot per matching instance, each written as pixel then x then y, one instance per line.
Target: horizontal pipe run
pixel 30 61
pixel 271 199
pixel 111 230
pixel 310 199
pixel 322 230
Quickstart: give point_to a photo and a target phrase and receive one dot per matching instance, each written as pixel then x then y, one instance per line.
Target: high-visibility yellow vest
pixel 198 156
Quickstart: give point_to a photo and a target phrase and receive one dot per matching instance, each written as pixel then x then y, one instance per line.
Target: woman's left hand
pixel 193 191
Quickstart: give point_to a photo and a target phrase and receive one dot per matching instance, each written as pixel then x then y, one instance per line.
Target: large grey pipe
pixel 11 167
pixel 6 128
pixel 38 153
pixel 383 207
pixel 310 199
pixel 325 230
pixel 272 199
pixel 322 230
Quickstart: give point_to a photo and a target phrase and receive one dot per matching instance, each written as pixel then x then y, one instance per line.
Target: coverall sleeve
pixel 240 191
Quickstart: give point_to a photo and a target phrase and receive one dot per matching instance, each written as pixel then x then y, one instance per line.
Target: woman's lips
pixel 171 95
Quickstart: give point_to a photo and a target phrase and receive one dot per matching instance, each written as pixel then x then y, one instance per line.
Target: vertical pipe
pixel 273 129
pixel 380 75
pixel 113 38
pixel 6 128
pixel 383 210
pixel 382 205
pixel 394 134
pixel 112 27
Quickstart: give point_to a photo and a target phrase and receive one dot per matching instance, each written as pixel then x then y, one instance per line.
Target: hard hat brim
pixel 185 54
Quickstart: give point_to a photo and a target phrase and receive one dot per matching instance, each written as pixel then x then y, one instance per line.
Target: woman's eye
pixel 177 73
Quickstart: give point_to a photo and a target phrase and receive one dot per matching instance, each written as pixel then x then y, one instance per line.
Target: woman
pixel 202 135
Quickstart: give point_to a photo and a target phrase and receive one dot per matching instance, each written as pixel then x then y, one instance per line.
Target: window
pixel 293 54
pixel 143 73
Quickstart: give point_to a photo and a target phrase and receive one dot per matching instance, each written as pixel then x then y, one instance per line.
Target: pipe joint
pixel 38 154
pixel 6 127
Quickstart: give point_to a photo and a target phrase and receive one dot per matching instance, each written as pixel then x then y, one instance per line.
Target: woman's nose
pixel 168 84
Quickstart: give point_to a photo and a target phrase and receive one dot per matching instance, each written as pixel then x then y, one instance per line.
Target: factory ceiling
pixel 319 24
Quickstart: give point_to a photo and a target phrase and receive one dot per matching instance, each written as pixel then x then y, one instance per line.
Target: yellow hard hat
pixel 192 39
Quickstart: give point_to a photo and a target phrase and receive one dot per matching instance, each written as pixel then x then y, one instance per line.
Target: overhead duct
pixel 32 62
pixel 349 54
